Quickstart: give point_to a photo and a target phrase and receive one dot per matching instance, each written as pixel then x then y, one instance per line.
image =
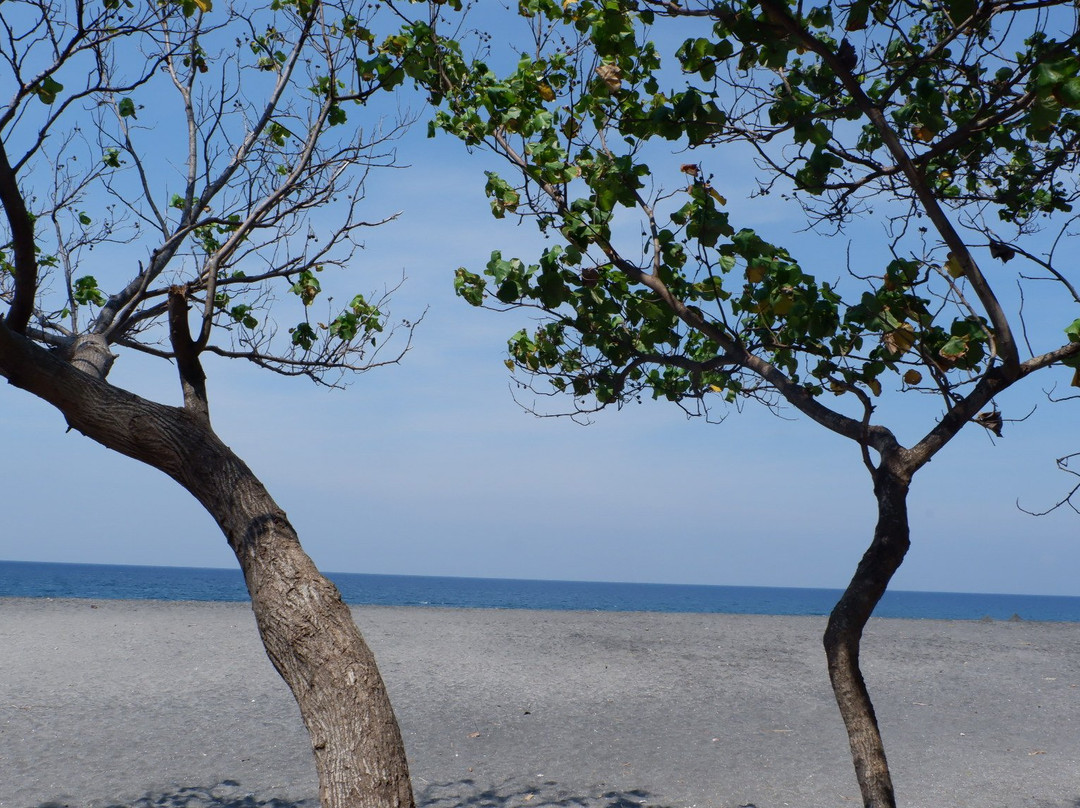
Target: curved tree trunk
pixel 310 637
pixel 306 628
pixel 844 634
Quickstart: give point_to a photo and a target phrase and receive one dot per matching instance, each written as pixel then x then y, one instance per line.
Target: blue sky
pixel 431 468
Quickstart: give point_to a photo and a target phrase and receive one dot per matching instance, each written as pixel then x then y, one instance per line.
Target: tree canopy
pixel 954 126
pixel 932 149
pixel 174 180
pixel 164 153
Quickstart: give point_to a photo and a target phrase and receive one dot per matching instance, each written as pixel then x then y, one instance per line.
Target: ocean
pixel 26 579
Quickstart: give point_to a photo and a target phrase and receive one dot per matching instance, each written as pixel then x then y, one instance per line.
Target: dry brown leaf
pixel 900 339
pixel 611 76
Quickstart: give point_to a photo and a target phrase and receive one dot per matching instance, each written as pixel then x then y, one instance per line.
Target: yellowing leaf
pixel 953 349
pixel 716 389
pixel 1075 379
pixel 755 273
pixel 567 3
pixel 912 377
pixel 713 193
pixel 923 133
pixel 784 302
pixel 875 386
pixel 952 266
pixel 546 92
pixel 899 340
pixel 204 5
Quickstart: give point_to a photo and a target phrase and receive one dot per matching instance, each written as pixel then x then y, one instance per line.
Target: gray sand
pixel 174 705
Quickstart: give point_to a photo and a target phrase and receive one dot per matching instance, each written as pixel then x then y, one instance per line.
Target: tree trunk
pixel 844 634
pixel 306 628
pixel 310 637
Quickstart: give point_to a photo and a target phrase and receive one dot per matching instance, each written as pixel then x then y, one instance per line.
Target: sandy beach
pixel 174 705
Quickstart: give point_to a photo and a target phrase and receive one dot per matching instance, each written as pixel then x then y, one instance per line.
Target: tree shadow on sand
pixel 226 794
pixel 465 793
pixel 468 793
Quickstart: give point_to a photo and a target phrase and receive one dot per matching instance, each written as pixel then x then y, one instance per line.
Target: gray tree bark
pixel 306 628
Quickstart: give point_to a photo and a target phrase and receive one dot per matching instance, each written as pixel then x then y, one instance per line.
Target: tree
pixel 953 124
pixel 174 179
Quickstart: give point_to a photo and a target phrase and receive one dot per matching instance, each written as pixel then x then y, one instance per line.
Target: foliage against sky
pixel 166 145
pixel 447 406
pixel 955 131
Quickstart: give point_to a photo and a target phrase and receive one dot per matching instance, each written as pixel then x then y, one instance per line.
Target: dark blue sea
pixel 25 579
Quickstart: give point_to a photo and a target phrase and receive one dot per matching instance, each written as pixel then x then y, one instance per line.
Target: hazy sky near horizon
pixel 431 468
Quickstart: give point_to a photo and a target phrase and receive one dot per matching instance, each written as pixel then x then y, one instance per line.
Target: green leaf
pixel 86 291
pixel 242 314
pixel 504 199
pixel 858 12
pixel 47 90
pixel 1072 331
pixel 277 133
pixel 1068 94
pixel 303 336
pixel 307 287
pixel 469 286
pixel 960 10
pixel 337 115
pixel 126 108
pixel 345 326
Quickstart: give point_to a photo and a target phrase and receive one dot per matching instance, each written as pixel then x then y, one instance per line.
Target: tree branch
pixel 192 376
pixel 1003 331
pixel 23 247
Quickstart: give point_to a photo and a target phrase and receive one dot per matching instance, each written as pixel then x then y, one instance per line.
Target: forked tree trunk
pixel 306 628
pixel 844 634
